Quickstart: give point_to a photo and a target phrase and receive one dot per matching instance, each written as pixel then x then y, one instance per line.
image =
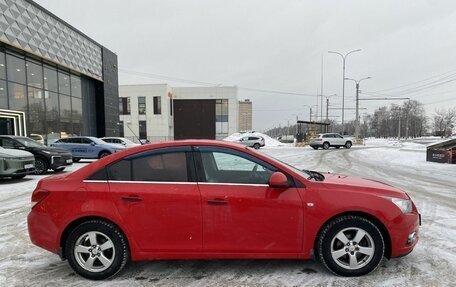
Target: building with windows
pixel 160 112
pixel 245 115
pixel 63 82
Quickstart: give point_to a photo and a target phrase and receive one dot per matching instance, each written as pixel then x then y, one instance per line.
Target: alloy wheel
pixel 352 248
pixel 94 251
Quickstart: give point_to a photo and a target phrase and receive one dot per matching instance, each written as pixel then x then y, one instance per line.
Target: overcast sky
pixel 278 45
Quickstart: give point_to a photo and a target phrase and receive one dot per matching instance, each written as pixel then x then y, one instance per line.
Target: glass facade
pixel 50 97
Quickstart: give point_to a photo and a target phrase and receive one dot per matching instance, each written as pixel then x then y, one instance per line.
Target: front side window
pixel 157 105
pixel 155 167
pixel 226 166
pixel 142 105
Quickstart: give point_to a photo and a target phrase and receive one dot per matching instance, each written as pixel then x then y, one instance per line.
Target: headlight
pixel 405 205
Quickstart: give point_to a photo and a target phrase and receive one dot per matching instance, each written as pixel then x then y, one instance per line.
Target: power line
pixel 181 80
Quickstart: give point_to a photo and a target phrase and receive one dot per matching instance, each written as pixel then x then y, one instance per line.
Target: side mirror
pixel 278 179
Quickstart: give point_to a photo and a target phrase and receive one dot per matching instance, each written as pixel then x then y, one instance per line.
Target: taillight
pixel 38 195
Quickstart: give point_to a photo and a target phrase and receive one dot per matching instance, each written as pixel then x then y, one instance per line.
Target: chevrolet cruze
pixel 209 199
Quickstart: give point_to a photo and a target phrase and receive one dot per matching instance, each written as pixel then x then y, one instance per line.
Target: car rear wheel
pixel 348 145
pixel 40 166
pixel 351 246
pixel 97 249
pixel 256 146
pixel 326 145
pixel 103 154
pixel 75 159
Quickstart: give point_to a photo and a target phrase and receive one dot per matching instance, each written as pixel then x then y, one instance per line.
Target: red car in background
pixel 210 199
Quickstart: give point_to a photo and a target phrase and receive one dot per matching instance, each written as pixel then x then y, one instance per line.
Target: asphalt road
pixel 432 263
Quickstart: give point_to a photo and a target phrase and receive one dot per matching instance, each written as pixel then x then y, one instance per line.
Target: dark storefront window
pixel 157 106
pixel 65 115
pixel 16 69
pixel 76 115
pixel 3 96
pixel 142 105
pixel 17 97
pixel 50 79
pixel 2 66
pixel 64 83
pixel 34 75
pixel 36 115
pixel 76 90
pixel 51 101
pixel 124 106
pixel 51 98
pixel 142 129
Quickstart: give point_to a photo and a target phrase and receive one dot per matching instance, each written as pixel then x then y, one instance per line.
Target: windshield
pixel 28 142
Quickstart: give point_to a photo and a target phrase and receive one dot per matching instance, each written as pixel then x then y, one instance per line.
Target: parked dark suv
pixel 45 157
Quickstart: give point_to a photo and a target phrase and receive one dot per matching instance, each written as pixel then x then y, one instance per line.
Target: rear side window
pixel 253 138
pixel 164 166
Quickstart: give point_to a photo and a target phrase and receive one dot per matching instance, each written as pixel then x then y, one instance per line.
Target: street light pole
pixel 344 57
pixel 357 103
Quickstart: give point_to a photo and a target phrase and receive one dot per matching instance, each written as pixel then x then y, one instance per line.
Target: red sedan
pixel 208 199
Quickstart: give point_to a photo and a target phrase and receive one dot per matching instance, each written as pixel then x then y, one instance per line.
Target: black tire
pixel 119 253
pixel 59 169
pixel 364 263
pixel 41 166
pixel 18 176
pixel 326 145
pixel 315 147
pixel 103 154
pixel 75 159
pixel 348 145
pixel 256 146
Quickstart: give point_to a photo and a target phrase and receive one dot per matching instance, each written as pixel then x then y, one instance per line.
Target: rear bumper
pixel 404 234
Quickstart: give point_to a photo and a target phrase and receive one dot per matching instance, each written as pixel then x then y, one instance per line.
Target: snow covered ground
pixel 432 263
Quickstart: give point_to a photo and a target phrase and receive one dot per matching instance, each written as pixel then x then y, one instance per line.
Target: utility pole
pixel 357 103
pixel 310 118
pixel 344 57
pixel 327 109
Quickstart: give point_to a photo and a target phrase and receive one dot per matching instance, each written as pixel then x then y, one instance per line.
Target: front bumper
pixel 16 167
pixel 404 234
pixel 61 160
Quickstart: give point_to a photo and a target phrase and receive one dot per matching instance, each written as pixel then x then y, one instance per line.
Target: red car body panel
pixel 181 220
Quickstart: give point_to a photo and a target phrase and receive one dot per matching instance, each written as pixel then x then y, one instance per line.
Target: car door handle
pixel 131 198
pixel 217 202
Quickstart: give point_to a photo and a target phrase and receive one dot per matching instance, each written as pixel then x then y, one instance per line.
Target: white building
pixel 159 112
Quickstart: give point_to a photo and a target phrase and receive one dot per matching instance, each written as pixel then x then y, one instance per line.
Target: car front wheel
pixel 326 146
pixel 40 166
pixel 104 154
pixel 97 249
pixel 351 246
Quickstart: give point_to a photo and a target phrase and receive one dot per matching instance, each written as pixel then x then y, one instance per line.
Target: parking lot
pixel 432 263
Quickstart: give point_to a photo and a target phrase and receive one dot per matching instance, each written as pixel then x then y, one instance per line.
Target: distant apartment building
pixel 245 115
pixel 160 112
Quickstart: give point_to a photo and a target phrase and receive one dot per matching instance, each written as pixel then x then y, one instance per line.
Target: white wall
pixel 160 127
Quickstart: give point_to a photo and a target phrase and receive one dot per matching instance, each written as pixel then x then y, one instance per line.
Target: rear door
pixel 157 196
pixel 241 213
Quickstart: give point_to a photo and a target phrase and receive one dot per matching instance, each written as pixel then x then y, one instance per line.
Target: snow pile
pixel 269 142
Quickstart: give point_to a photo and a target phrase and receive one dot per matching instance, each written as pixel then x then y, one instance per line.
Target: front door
pixel 241 212
pixel 158 198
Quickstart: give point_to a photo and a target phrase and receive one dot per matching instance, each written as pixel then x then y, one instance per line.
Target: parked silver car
pixel 252 141
pixel 328 140
pixel 16 163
